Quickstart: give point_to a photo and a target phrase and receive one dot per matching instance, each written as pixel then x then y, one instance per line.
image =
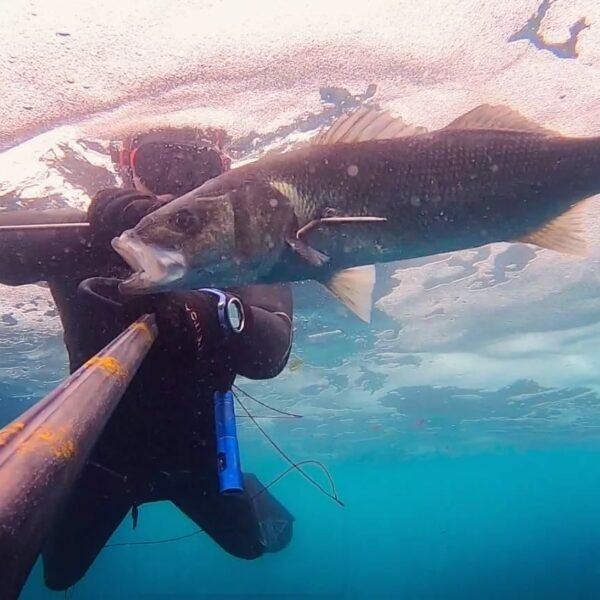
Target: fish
pixel 371 189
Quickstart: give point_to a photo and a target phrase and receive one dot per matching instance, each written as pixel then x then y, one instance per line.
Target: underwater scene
pixel 300 300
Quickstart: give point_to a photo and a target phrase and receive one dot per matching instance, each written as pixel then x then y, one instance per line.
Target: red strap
pixel 124 157
pixel 132 156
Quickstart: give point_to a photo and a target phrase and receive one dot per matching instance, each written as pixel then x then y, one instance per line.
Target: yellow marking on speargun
pixel 46 435
pixel 10 431
pixel 143 328
pixel 109 364
pixel 65 450
pixel 56 443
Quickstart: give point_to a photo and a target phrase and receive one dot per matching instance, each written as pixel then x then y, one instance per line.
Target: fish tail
pixel 566 233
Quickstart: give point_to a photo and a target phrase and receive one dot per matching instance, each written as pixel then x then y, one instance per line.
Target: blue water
pixel 496 526
pixel 450 494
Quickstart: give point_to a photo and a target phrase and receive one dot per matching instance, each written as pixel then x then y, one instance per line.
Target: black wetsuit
pixel 160 442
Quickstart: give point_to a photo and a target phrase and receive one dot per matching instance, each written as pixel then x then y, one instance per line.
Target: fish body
pixel 347 202
pixel 438 192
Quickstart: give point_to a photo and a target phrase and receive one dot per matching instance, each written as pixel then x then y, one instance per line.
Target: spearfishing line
pixel 292 464
pixel 292 467
pixel 276 410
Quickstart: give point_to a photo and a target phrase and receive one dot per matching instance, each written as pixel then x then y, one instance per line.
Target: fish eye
pixel 184 220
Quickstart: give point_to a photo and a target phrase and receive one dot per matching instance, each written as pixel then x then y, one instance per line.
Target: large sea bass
pixel 372 189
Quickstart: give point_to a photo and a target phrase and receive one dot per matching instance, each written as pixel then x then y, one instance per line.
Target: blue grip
pixel 228 452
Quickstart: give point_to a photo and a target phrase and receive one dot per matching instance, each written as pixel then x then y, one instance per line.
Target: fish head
pixel 206 241
pixel 186 243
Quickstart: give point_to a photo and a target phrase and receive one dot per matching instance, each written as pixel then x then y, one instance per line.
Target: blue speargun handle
pixel 228 451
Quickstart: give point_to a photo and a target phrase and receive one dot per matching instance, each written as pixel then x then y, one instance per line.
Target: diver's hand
pixel 194 318
pixel 114 210
pixel 206 323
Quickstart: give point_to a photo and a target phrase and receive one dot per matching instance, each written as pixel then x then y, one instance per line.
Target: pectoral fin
pixel 354 288
pixel 309 254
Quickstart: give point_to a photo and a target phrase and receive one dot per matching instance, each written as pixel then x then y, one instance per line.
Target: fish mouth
pixel 154 268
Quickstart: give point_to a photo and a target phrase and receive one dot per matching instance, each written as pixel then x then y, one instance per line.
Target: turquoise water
pixel 450 492
pixel 497 525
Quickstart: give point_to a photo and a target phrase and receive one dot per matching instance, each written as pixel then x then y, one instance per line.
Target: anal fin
pixel 565 234
pixel 354 288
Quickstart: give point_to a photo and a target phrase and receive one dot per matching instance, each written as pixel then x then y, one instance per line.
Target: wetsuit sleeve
pixel 41 255
pixel 260 351
pixel 264 346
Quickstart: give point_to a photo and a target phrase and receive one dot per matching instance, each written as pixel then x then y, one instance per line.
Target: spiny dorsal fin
pixel 354 288
pixel 366 124
pixel 566 234
pixel 488 116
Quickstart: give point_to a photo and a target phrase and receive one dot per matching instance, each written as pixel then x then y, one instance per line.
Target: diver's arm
pixel 191 320
pixel 263 347
pixel 37 255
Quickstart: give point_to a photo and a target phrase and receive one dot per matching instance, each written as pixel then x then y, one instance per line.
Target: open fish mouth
pixel 155 268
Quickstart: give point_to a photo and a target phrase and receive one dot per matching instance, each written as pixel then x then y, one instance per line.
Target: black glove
pixel 195 317
pixel 189 325
pixel 114 210
pixel 189 321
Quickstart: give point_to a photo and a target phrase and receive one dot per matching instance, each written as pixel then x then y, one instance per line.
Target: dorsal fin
pixel 366 124
pixel 488 116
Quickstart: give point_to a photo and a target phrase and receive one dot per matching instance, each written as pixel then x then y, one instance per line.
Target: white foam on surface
pixel 218 60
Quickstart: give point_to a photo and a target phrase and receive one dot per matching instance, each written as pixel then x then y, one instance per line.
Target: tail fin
pixel 566 233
